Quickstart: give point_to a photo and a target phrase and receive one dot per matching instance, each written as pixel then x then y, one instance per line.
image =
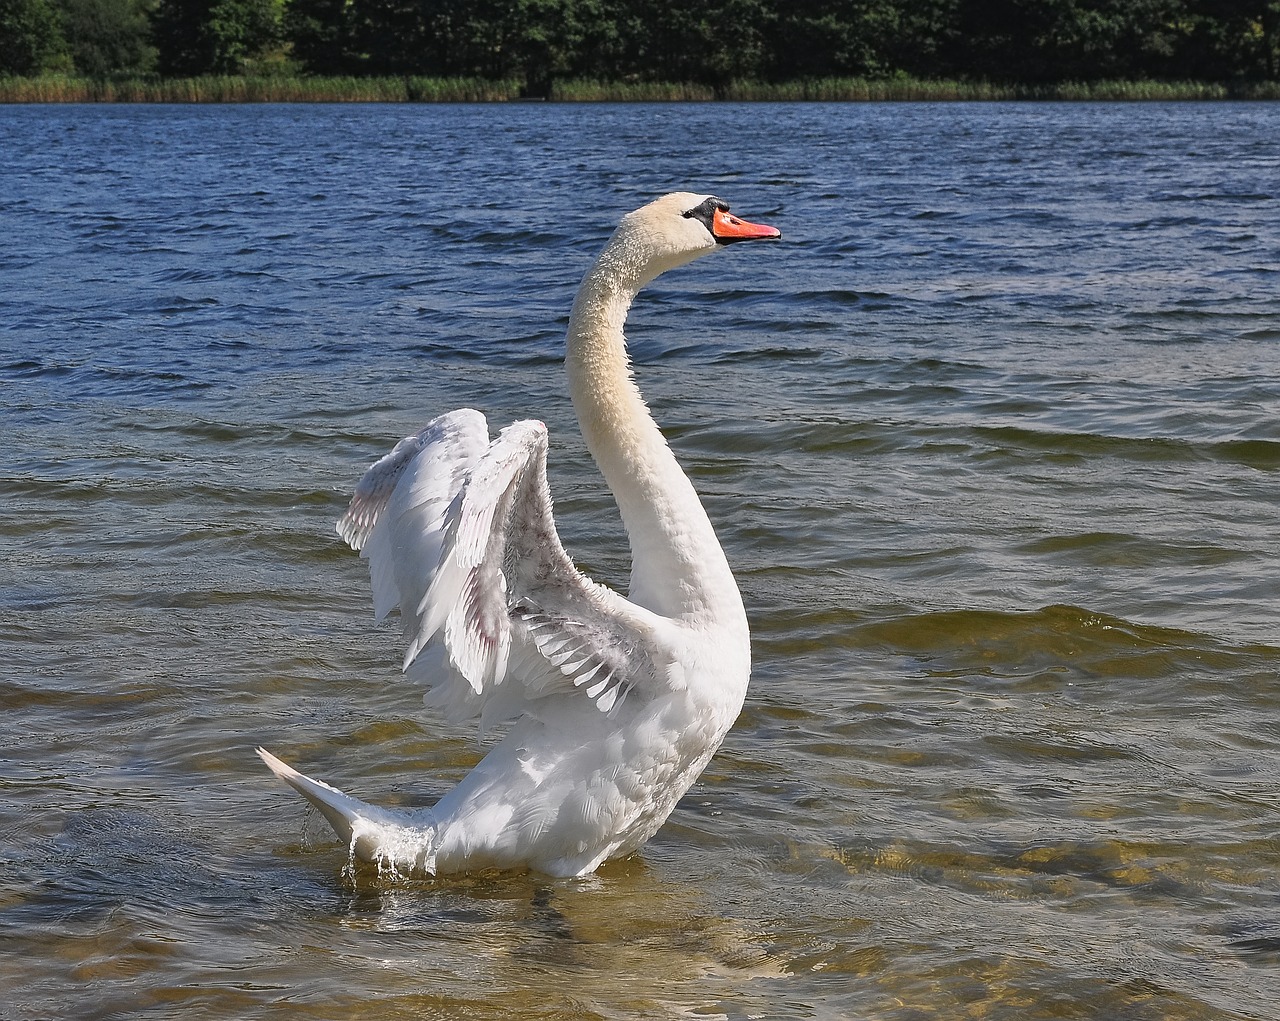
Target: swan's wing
pixel 459 532
pixel 396 518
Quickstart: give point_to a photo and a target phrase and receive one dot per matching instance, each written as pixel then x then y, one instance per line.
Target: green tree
pixel 1231 39
pixel 542 40
pixel 708 41
pixel 106 37
pixel 389 36
pixel 867 38
pixel 1002 40
pixel 537 40
pixel 532 39
pixel 30 39
pixel 242 30
pixel 195 37
pixel 320 33
pixel 1092 39
pixel 821 38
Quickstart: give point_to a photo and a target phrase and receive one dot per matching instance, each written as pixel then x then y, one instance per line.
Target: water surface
pixel 992 440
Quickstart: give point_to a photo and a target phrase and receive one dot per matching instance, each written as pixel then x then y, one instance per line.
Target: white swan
pixel 618 703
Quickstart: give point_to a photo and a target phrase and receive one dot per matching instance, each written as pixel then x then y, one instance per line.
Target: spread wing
pixel 459 534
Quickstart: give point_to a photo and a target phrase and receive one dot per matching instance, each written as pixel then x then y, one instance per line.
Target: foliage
pixel 196 37
pixel 321 34
pixel 710 42
pixel 1232 38
pixel 715 42
pixel 107 37
pixel 708 45
pixel 30 38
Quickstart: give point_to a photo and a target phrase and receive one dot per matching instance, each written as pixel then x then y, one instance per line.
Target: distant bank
pixel 58 89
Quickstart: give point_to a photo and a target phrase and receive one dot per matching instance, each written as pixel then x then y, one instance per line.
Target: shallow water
pixel 992 440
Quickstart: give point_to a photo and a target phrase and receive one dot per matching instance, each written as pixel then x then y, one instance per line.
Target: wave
pixel 1014 645
pixel 99 380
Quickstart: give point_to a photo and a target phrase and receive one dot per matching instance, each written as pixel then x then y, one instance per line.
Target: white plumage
pixel 616 704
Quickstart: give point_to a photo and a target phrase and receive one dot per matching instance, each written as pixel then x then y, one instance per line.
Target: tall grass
pixel 909 89
pixel 297 89
pixel 267 89
pixel 630 92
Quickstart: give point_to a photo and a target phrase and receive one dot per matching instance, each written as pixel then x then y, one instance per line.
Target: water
pixel 992 439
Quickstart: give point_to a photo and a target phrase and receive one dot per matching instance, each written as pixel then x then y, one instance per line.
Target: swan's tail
pixel 374 834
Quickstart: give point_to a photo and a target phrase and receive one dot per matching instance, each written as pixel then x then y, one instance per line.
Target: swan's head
pixel 678 228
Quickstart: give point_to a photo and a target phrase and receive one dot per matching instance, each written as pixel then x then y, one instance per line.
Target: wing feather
pixel 396 516
pixel 459 533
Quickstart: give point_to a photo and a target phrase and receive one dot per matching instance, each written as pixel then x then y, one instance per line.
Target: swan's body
pixel 618 703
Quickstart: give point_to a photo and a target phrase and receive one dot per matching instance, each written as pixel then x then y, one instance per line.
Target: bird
pixel 612 705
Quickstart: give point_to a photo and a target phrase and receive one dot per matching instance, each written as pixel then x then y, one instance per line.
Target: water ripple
pixel 991 440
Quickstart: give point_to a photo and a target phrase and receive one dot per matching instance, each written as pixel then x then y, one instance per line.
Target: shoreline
pixel 278 89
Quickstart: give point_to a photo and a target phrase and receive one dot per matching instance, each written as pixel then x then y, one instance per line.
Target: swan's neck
pixel 678 567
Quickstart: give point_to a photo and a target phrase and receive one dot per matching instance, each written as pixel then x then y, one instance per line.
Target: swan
pixel 615 704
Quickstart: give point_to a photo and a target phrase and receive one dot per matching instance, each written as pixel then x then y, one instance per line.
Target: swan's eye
pixel 705 212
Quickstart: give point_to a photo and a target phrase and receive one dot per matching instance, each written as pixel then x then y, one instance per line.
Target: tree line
pixel 711 42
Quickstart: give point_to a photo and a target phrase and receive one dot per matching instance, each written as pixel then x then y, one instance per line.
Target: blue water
pixel 992 440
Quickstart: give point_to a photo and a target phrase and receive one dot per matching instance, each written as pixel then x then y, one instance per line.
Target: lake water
pixel 992 439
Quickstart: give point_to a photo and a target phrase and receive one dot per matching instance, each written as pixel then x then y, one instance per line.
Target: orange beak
pixel 726 227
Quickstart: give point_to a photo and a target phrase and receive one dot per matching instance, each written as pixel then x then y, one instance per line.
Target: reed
pixel 460 90
pixel 253 89
pixel 298 89
pixel 580 91
pixel 915 90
